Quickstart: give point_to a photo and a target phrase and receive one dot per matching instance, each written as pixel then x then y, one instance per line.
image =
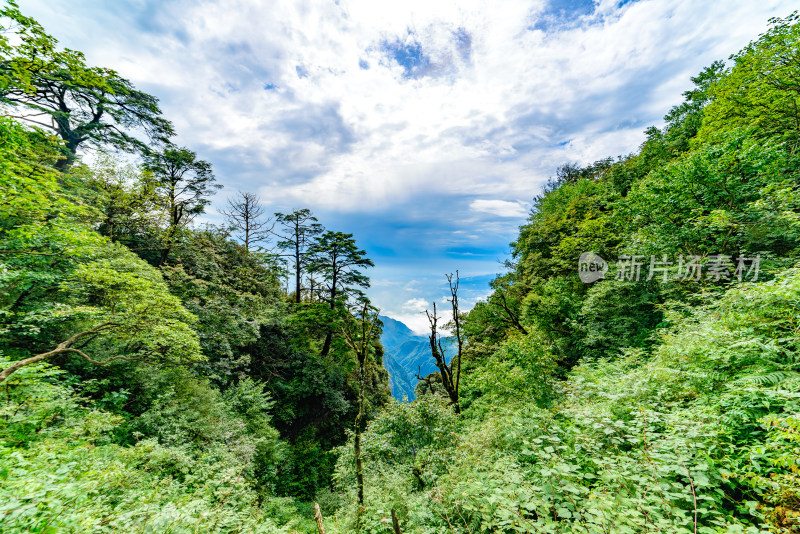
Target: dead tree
pixel 449 373
pixel 318 519
pixel 427 380
pixel 245 216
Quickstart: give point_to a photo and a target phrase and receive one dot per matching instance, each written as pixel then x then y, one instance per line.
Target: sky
pixel 423 127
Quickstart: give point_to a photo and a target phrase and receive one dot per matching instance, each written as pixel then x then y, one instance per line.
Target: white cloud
pixel 384 282
pixel 417 322
pixel 411 285
pixel 356 139
pixel 462 150
pixel 418 305
pixel 500 208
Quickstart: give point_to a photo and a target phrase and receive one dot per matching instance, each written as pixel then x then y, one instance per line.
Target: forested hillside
pixel 155 374
pixel 158 376
pixel 660 397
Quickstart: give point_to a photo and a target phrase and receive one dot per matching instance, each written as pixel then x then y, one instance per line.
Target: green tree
pixel 712 199
pixel 336 256
pixel 56 89
pixel 505 302
pixel 184 183
pixel 231 291
pixel 685 119
pixel 359 333
pixel 126 313
pixel 62 281
pixel 125 195
pixel 761 90
pixel 299 228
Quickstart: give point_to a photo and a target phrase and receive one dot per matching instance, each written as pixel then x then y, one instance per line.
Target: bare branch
pixel 65 346
pixel 447 372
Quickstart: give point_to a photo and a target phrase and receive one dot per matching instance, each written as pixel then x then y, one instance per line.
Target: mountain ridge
pixel 406 355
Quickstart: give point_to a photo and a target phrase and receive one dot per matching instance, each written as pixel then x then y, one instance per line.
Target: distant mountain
pixel 401 382
pixel 400 344
pixel 395 333
pixel 405 355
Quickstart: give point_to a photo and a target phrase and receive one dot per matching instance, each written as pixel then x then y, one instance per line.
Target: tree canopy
pixel 55 89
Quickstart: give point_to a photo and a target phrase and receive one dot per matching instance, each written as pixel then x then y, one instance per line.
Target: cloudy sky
pixel 423 127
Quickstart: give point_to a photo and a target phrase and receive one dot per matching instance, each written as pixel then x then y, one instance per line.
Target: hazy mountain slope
pixel 406 354
pixel 401 382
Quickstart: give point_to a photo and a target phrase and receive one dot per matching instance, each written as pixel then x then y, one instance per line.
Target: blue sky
pixel 423 127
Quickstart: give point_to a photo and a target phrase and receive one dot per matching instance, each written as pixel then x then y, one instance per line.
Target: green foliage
pixel 622 406
pixel 405 450
pixel 696 435
pixel 336 257
pixel 685 119
pixel 522 368
pixel 619 314
pixel 720 178
pixel 85 105
pixel 183 184
pixel 569 218
pixel 712 199
pixel 298 230
pixel 126 197
pixel 70 478
pixel 231 291
pixel 61 280
pixel 551 306
pixel 759 91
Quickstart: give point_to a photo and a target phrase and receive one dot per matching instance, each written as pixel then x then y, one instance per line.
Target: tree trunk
pixel 360 345
pixel 70 155
pixel 450 374
pixel 326 347
pixel 359 468
pixel 395 523
pixel 297 270
pixel 175 216
pixel 357 445
pixel 318 519
pixel 164 255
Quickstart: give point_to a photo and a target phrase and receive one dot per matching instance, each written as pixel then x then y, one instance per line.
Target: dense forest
pixel 157 375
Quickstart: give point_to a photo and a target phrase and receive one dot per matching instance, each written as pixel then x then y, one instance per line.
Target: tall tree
pixel 245 216
pixel 65 289
pixel 449 373
pixel 359 333
pixel 57 90
pixel 184 183
pixel 298 230
pixel 337 258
